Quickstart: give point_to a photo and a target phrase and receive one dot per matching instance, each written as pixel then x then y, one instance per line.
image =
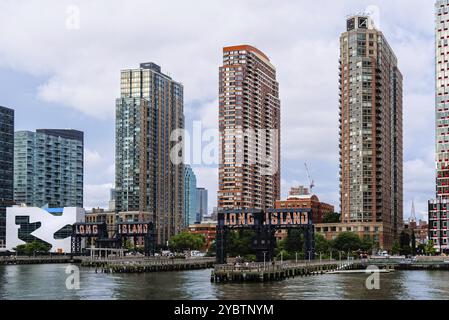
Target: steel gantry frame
pixel 265 224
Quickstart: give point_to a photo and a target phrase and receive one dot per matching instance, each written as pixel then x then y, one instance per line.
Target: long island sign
pixel 279 218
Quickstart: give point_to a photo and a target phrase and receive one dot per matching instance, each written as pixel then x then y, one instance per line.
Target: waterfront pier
pixel 147 264
pixel 264 272
pixel 14 260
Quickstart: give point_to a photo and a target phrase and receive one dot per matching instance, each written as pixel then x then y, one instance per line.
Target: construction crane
pixel 311 182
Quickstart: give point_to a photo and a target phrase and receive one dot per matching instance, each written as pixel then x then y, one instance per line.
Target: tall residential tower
pixel 6 167
pixel 249 124
pixel 49 168
pixel 370 133
pixel 149 109
pixel 439 207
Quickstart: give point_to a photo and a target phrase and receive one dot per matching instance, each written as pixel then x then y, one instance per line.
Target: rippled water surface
pixel 49 282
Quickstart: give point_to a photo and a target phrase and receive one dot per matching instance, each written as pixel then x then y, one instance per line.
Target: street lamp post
pixel 296 255
pixel 282 260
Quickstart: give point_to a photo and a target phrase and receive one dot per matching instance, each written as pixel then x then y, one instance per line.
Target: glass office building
pixel 149 109
pixel 189 196
pixel 6 167
pixel 201 204
pixel 48 168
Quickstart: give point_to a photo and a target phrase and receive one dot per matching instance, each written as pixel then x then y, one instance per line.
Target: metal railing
pixel 32 258
pixel 154 262
pixel 277 266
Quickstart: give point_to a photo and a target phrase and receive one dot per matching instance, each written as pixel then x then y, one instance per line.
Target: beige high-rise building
pixel 249 123
pixel 371 154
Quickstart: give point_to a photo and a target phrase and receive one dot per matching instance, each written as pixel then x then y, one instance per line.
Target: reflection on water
pixel 48 282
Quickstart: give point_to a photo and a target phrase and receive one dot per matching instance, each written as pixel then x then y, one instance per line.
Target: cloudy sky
pixel 58 71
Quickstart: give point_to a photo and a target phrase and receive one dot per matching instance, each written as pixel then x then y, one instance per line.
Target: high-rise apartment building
pixel 189 196
pixel 6 167
pixel 49 168
pixel 249 124
pixel 439 207
pixel 370 133
pixel 201 204
pixel 149 109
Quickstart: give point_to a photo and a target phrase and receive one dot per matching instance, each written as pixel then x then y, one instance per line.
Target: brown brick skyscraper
pixel 249 122
pixel 370 133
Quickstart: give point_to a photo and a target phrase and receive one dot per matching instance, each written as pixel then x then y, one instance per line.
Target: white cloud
pixel 82 67
pixel 91 158
pixel 97 195
pixel 207 177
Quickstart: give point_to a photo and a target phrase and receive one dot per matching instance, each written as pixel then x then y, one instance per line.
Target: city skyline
pixel 305 141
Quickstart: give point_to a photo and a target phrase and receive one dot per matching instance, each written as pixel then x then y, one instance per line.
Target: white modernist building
pixel 50 226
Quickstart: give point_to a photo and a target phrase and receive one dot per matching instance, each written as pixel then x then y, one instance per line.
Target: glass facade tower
pixel 189 196
pixel 49 168
pixel 6 167
pixel 201 204
pixel 149 109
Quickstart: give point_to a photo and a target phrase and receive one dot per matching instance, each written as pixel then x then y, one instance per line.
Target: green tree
pixel 294 241
pixel 421 249
pixel 187 241
pixel 32 248
pixel 333 217
pixel 429 249
pixel 240 243
pixel 347 241
pixel 396 249
pixel 367 245
pixel 404 241
pixel 413 240
pixel 322 244
pixel 285 255
pixel 212 250
pixel 128 245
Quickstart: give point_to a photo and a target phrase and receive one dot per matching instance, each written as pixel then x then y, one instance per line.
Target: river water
pixel 49 282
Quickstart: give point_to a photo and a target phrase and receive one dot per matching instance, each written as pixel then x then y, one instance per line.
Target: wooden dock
pixel 147 264
pixel 264 272
pixel 17 260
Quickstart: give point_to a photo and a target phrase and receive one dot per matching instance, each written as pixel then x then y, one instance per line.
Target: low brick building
pixel 373 231
pixel 206 229
pixel 319 209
